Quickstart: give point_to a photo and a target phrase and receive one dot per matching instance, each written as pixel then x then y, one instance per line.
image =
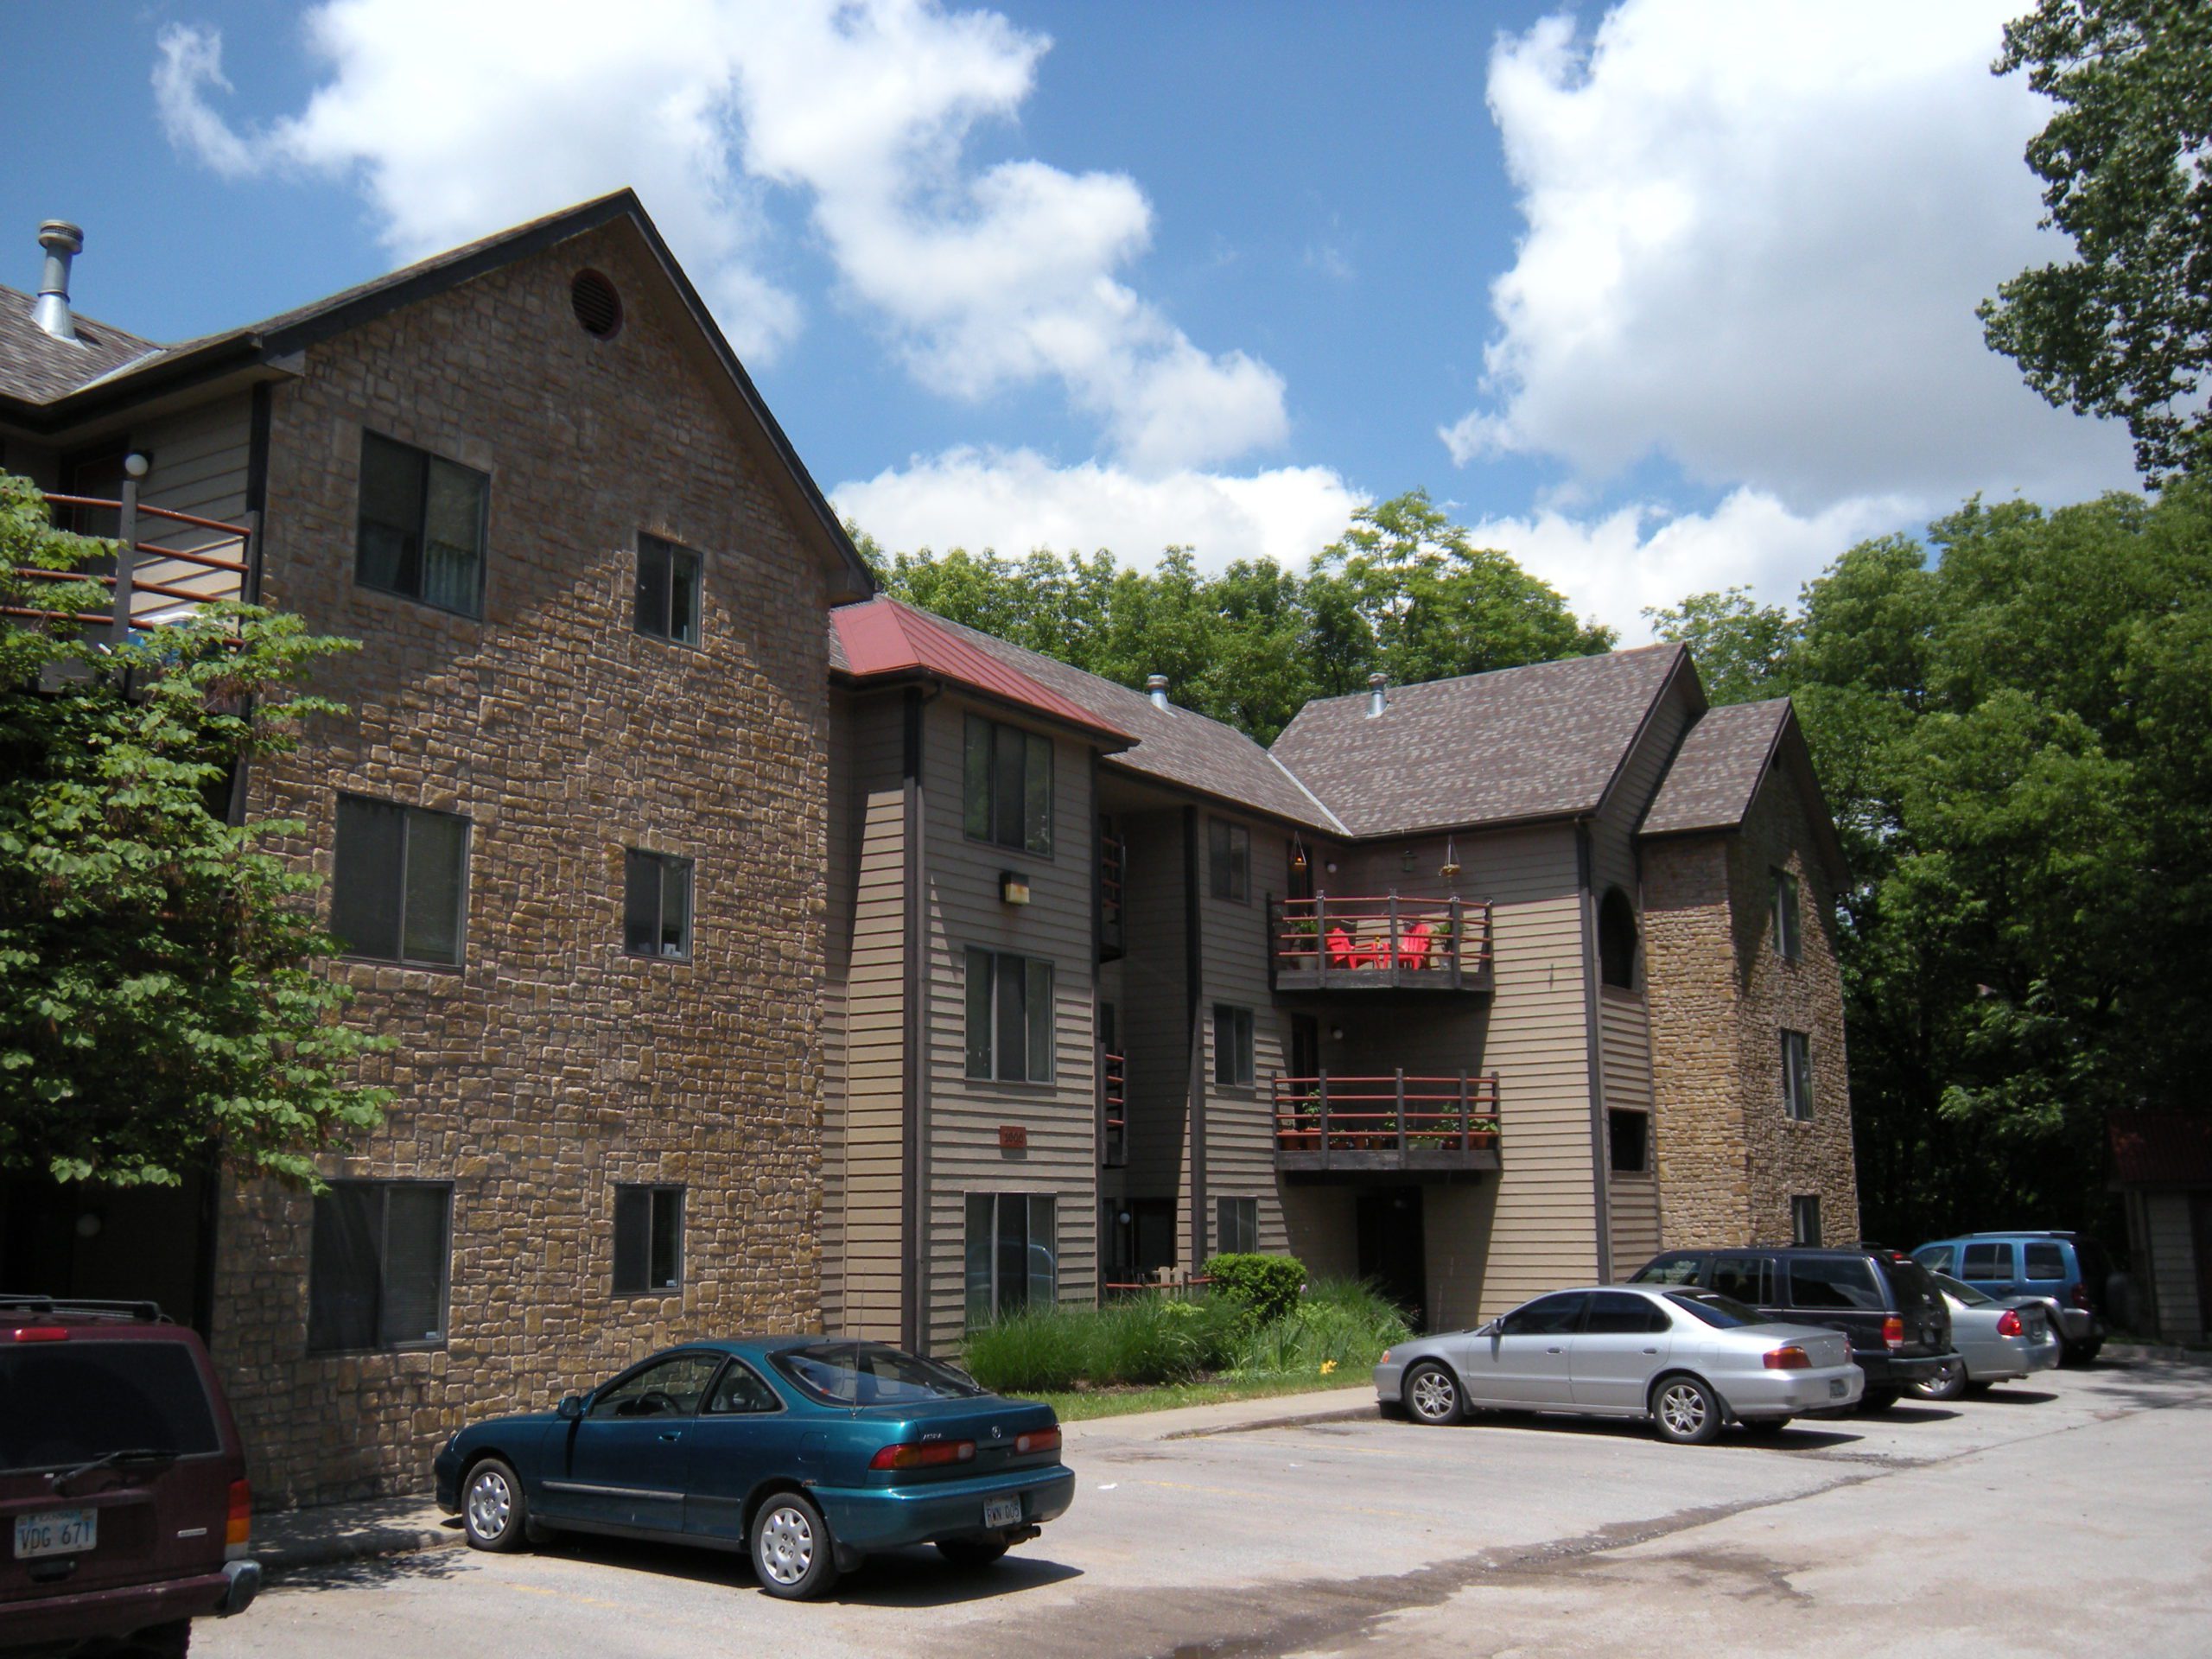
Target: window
pixel 422 527
pixel 377 1266
pixel 1232 1045
pixel 1629 1134
pixel 1009 787
pixel 1986 1261
pixel 648 1239
pixel 742 1393
pixel 1797 1076
pixel 1722 1312
pixel 1681 1270
pixel 399 891
pixel 1788 940
pixel 1828 1282
pixel 1617 939
pixel 1937 1258
pixel 1237 1225
pixel 1229 860
pixel 655 904
pixel 1805 1219
pixel 1623 1313
pixel 64 1402
pixel 1745 1278
pixel 1547 1316
pixel 1009 1017
pixel 2044 1260
pixel 870 1374
pixel 663 1388
pixel 1011 1259
pixel 668 591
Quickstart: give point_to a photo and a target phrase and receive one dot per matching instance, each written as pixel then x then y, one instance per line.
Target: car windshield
pixel 1959 1291
pixel 870 1374
pixel 1725 1312
pixel 1668 1270
pixel 64 1402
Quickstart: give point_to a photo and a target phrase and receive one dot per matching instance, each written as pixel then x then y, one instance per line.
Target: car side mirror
pixel 1490 1330
pixel 571 1408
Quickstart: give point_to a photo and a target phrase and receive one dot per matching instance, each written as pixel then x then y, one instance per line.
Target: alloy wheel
pixel 1682 1407
pixel 1434 1399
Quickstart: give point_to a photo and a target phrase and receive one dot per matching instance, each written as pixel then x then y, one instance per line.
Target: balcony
pixel 1397 1124
pixel 1329 943
pixel 200 561
pixel 1114 1130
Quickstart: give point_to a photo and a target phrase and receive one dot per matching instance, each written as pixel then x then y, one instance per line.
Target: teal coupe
pixel 806 1452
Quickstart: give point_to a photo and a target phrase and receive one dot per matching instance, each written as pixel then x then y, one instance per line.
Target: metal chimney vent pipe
pixel 1377 701
pixel 1157 685
pixel 62 242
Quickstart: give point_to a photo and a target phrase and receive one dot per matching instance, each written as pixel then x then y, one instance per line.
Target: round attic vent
pixel 596 304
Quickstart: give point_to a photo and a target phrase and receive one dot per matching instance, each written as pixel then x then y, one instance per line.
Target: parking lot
pixel 2068 1517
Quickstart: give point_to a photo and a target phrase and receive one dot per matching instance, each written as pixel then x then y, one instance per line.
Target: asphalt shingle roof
pixel 1717 768
pixel 1517 743
pixel 37 368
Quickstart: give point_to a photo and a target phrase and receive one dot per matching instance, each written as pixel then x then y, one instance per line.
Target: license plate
pixel 1835 1388
pixel 56 1532
pixel 1001 1511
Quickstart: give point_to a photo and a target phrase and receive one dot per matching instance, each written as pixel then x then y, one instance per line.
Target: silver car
pixel 1998 1338
pixel 1689 1360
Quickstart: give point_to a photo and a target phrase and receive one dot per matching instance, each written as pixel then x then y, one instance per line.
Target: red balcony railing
pixel 201 561
pixel 1397 1120
pixel 1114 1146
pixel 1333 941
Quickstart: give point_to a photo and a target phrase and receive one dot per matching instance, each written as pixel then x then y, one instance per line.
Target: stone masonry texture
pixel 551 1066
pixel 1728 1157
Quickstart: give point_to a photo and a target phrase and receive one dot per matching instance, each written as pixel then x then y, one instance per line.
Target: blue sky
pixel 1659 296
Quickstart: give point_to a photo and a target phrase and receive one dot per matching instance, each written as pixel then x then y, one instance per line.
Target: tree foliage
pixel 159 1000
pixel 1405 593
pixel 2014 737
pixel 2124 328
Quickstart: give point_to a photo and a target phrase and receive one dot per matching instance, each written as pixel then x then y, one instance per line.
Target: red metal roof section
pixel 881 635
pixel 2156 1148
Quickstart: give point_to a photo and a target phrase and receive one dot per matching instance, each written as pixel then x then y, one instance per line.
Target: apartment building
pixel 1473 987
pixel 574 827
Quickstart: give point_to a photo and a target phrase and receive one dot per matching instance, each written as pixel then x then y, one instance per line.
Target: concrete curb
pixel 1296 1419
pixel 337 1534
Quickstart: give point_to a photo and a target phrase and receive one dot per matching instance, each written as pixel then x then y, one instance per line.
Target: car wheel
pixel 2087 1354
pixel 971 1553
pixel 1432 1394
pixel 1685 1410
pixel 1878 1399
pixel 1766 1428
pixel 2067 1352
pixel 1948 1383
pixel 494 1513
pixel 791 1554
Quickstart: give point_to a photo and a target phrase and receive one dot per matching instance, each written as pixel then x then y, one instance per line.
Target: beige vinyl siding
pixel 2173 1270
pixel 1154 1033
pixel 1233 969
pixel 200 459
pixel 864 1013
pixel 963 909
pixel 1531 1228
pixel 1624 1052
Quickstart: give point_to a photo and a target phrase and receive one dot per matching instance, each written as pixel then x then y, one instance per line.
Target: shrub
pixel 1268 1285
pixel 1027 1352
pixel 1341 1324
pixel 1144 1340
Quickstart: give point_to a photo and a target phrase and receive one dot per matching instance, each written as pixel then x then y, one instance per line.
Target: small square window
pixel 1229 860
pixel 1797 1076
pixel 1788 937
pixel 648 1239
pixel 1805 1219
pixel 1237 1226
pixel 399 885
pixel 1630 1136
pixel 668 591
pixel 657 905
pixel 421 529
pixel 1232 1046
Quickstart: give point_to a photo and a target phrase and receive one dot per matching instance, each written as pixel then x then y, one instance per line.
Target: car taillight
pixel 1041 1439
pixel 1792 1358
pixel 2079 1296
pixel 1893 1332
pixel 923 1454
pixel 2008 1324
pixel 42 1333
pixel 238 1529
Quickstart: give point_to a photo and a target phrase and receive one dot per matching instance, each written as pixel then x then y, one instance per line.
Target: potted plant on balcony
pixel 1302 1132
pixel 1299 943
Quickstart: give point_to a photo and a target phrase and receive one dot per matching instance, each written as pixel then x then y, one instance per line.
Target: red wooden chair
pixel 1414 945
pixel 1341 952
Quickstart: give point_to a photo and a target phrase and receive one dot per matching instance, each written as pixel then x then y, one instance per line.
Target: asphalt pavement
pixel 2068 1515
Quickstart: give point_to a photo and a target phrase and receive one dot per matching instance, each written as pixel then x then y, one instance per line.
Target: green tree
pixel 160 998
pixel 2124 328
pixel 1742 648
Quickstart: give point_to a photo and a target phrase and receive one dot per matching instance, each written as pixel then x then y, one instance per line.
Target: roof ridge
pixel 1510 668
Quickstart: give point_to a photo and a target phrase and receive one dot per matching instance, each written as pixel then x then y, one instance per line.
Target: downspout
pixel 1193 958
pixel 1600 1161
pixel 914 1074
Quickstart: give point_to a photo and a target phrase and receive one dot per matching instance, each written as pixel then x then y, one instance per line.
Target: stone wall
pixel 551 1066
pixel 1691 987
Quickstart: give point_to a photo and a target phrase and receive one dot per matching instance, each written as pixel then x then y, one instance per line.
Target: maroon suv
pixel 122 1492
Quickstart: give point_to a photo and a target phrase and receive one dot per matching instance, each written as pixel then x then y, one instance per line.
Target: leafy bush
pixel 1145 1340
pixel 1340 1325
pixel 1268 1285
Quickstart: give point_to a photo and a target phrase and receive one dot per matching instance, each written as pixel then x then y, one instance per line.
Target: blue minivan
pixel 2064 1271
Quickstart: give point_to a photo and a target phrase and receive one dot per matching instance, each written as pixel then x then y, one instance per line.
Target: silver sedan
pixel 1688 1360
pixel 1999 1339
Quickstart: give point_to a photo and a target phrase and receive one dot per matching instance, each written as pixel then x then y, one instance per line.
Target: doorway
pixel 1391 1258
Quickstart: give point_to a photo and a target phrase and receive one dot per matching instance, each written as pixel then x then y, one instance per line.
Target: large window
pixel 668 591
pixel 655 904
pixel 1232 1045
pixel 1009 787
pixel 1797 1076
pixel 1237 1225
pixel 377 1266
pixel 1013 1257
pixel 1009 1017
pixel 422 526
pixel 400 890
pixel 1986 1261
pixel 1617 939
pixel 1229 860
pixel 1628 1136
pixel 648 1239
pixel 1789 938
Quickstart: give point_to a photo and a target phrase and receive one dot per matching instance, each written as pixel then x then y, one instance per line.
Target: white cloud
pixel 1611 568
pixel 1756 234
pixel 984 280
pixel 1017 501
